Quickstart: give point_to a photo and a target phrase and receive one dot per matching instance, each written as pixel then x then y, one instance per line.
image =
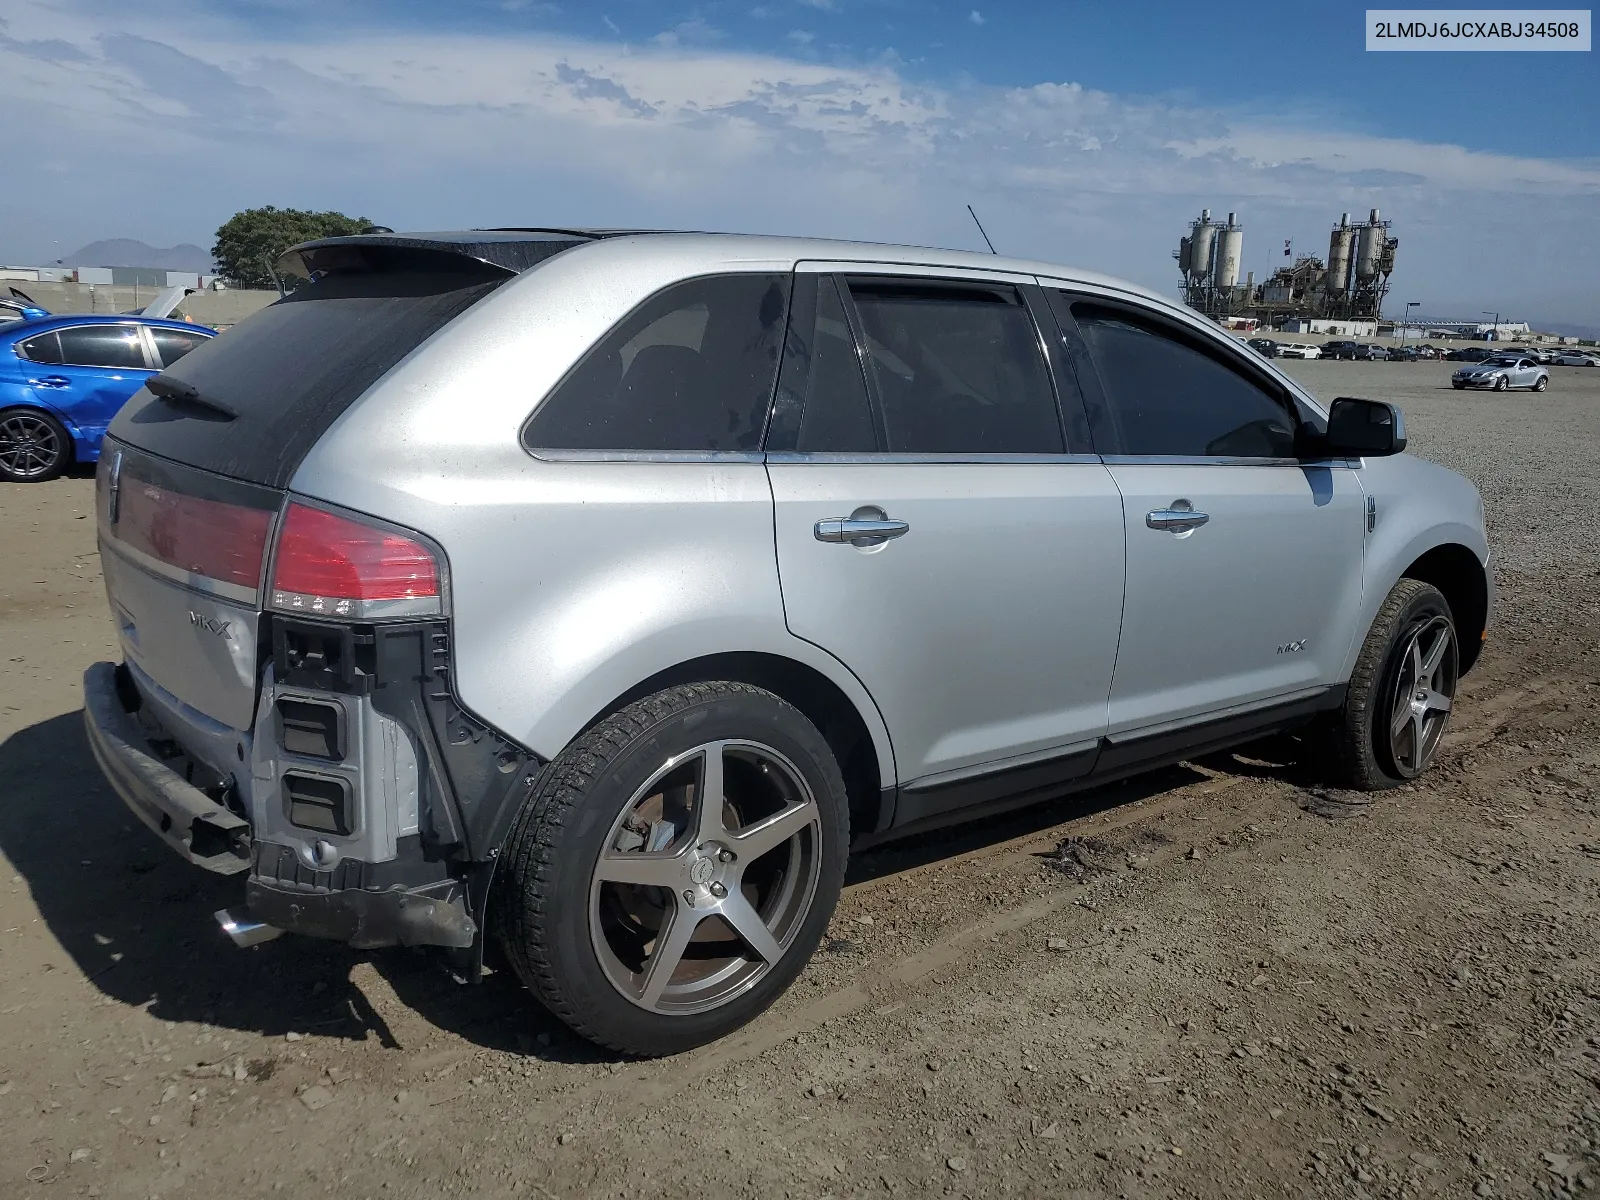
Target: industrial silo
pixel 1369 250
pixel 1201 238
pixel 1183 256
pixel 1230 246
pixel 1339 245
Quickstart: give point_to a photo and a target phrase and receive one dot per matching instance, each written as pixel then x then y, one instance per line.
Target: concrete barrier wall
pixel 208 308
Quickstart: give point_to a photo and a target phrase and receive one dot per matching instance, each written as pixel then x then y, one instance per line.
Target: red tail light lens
pixel 223 542
pixel 330 565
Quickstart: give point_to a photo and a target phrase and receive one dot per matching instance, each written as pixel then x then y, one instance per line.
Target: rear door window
pixel 42 348
pixel 690 370
pixel 173 344
pixel 1169 396
pixel 822 405
pixel 118 346
pixel 958 367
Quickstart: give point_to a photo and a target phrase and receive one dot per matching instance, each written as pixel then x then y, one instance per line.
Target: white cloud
pixel 145 126
pixel 610 24
pixel 975 17
pixel 801 37
pixel 824 5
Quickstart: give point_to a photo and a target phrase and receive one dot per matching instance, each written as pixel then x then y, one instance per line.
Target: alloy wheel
pixel 1424 693
pixel 29 445
pixel 706 877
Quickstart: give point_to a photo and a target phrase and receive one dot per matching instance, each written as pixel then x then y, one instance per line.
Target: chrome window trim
pixel 138 329
pixel 652 456
pixel 792 457
pixel 1220 460
pixel 195 583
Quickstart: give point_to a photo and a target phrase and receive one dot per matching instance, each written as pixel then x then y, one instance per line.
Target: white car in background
pixel 1574 358
pixel 1299 350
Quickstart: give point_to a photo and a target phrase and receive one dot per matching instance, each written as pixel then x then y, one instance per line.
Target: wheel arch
pixel 1456 572
pixel 31 403
pixel 854 740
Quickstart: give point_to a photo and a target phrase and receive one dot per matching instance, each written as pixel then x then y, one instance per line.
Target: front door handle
pixel 1180 518
pixel 864 527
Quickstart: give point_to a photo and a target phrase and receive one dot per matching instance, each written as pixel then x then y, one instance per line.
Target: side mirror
pixel 1364 428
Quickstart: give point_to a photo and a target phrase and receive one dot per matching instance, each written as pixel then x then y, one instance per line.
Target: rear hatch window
pixel 267 389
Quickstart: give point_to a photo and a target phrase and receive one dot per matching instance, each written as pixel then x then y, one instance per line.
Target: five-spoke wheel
pixel 673 869
pixel 1422 696
pixel 705 877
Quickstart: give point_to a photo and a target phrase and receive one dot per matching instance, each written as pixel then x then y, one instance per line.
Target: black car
pixel 1405 354
pixel 1264 346
pixel 1340 350
pixel 1469 354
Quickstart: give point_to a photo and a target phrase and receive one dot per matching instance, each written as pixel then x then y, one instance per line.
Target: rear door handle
pixel 52 381
pixel 1176 520
pixel 860 531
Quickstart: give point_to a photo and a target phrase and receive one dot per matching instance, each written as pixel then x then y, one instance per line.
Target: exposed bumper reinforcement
pixel 185 818
pixel 366 920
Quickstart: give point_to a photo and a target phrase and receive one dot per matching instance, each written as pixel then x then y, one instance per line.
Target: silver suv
pixel 598 592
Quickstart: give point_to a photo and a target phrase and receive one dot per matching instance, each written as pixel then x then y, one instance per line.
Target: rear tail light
pixel 335 566
pixel 222 542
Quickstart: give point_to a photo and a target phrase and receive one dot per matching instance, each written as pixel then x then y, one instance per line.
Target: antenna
pixel 979 224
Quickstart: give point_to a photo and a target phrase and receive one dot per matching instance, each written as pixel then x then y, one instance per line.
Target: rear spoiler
pixel 486 252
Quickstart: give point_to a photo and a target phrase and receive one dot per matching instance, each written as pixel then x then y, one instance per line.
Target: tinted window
pixel 102 346
pixel 173 344
pixel 822 396
pixel 691 369
pixel 293 368
pixel 958 368
pixel 1167 396
pixel 43 348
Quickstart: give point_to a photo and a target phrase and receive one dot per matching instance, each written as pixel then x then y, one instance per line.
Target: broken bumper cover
pixel 181 815
pixel 366 920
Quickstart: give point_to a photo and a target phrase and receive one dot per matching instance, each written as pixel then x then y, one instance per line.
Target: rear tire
pixel 34 446
pixel 1401 692
pixel 648 922
pixel 1541 383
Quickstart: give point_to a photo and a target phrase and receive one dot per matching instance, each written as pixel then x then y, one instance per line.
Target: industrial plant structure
pixel 1350 286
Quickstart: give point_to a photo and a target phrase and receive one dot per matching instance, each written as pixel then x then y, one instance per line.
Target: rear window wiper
pixel 176 391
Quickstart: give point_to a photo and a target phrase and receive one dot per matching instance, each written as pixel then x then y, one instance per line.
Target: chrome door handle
pixel 1177 520
pixel 860 531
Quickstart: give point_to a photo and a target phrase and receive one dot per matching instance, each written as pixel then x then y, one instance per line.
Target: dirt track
pixel 1230 989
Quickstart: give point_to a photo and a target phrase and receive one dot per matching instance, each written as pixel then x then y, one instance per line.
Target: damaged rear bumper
pixel 185 818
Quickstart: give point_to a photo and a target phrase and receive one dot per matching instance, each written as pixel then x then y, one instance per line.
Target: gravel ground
pixel 1208 982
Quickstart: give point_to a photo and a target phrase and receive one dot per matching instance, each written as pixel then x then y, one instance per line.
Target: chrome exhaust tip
pixel 243 929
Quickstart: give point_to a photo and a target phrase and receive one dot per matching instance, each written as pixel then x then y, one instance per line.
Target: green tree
pixel 250 240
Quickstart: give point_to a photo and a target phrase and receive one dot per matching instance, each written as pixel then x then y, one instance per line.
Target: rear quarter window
pixel 690 370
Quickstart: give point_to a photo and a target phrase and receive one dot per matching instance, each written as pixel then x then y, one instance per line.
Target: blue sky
pixel 1086 133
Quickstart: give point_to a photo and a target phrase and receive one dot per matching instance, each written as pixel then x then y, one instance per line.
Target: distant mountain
pixel 125 252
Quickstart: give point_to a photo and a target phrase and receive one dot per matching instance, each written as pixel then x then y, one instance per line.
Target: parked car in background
pixel 1469 354
pixel 1298 350
pixel 708 590
pixel 1427 351
pixel 1339 350
pixel 1370 353
pixel 1575 358
pixel 1405 354
pixel 1264 346
pixel 20 307
pixel 1502 372
pixel 63 377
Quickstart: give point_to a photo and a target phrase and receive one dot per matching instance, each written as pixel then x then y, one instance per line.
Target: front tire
pixel 648 921
pixel 34 446
pixel 1501 384
pixel 1401 692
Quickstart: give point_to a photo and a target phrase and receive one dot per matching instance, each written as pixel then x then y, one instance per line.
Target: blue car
pixel 63 377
